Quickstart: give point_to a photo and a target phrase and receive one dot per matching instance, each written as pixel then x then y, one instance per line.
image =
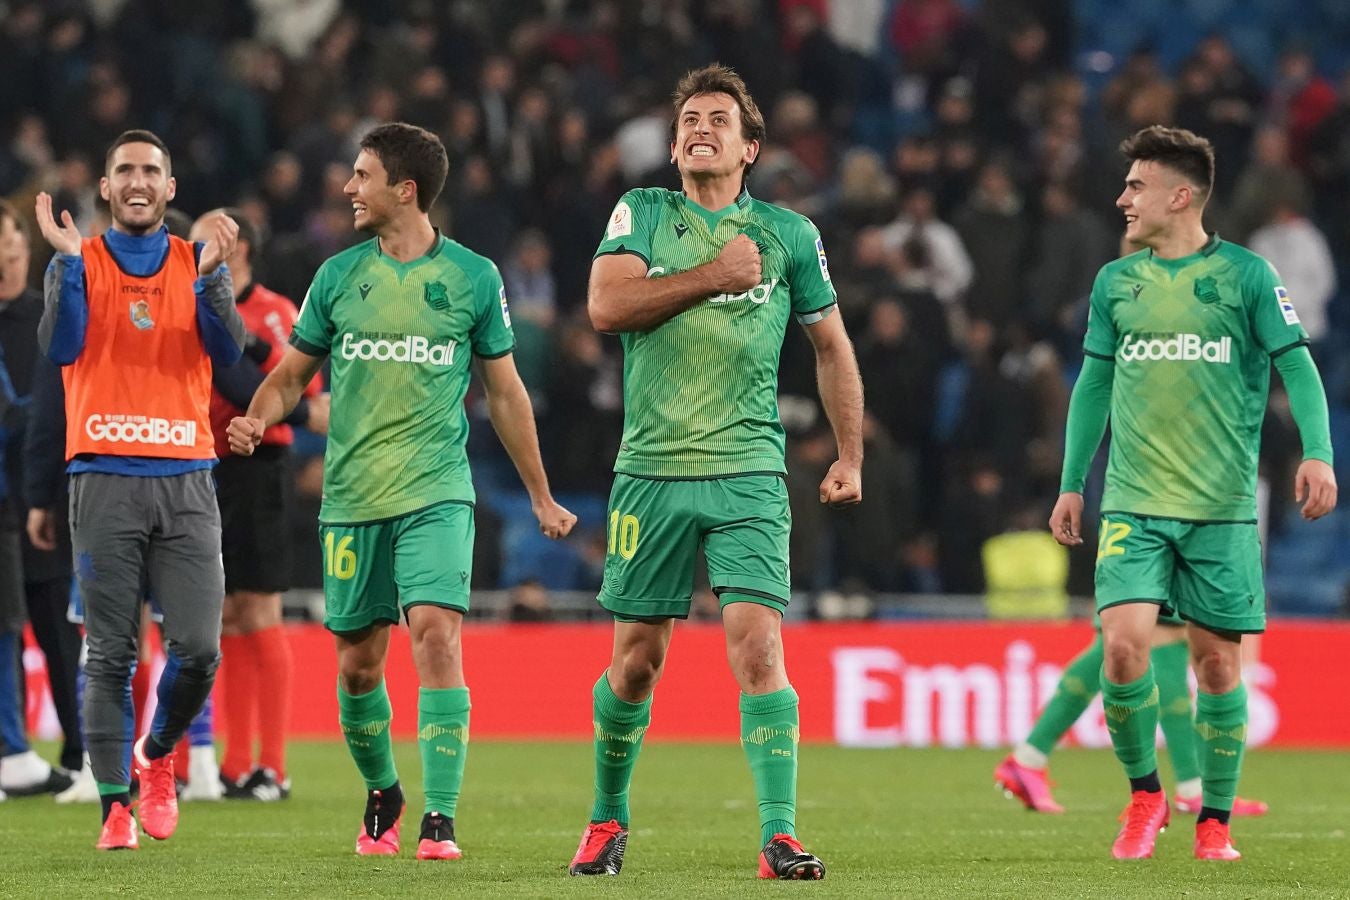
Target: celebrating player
pixel 700 285
pixel 137 318
pixel 401 316
pixel 1178 350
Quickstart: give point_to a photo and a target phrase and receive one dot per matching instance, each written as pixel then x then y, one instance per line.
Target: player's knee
pixel 1125 658
pixel 637 672
pixel 359 679
pixel 1217 671
pixel 201 657
pixel 104 669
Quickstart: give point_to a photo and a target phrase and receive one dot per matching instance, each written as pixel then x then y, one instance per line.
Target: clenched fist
pixel 245 433
pixel 738 267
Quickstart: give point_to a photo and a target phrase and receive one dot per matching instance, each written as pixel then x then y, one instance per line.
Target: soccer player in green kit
pixel 700 284
pixel 1179 344
pixel 403 316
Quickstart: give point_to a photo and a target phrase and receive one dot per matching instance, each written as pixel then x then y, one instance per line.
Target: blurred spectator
pixel 1270 178
pixel 1220 99
pixel 1071 244
pixel 947 261
pixel 1140 76
pixel 972 513
pixel 1300 101
pixel 529 279
pixel 1299 252
pixel 996 234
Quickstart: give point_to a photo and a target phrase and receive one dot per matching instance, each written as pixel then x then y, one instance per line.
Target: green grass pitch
pixel 888 823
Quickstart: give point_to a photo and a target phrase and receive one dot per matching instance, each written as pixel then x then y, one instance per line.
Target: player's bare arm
pixel 1315 488
pixel 1066 519
pixel 274 399
pixel 512 417
pixel 841 393
pixel 622 298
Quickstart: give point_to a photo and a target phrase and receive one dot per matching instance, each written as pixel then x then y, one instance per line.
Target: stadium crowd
pixel 959 159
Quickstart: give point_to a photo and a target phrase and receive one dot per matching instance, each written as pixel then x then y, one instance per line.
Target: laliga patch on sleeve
pixel 506 313
pixel 1286 306
pixel 620 223
pixel 824 264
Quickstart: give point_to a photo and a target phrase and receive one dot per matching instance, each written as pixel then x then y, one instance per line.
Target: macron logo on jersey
pixel 413 349
pixel 122 429
pixel 1182 347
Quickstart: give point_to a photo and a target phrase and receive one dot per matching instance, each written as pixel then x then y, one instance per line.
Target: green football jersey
pixel 1192 340
pixel 700 390
pixel 401 337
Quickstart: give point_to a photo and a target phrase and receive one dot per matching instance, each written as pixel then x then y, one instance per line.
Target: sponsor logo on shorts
pixel 412 348
pixel 1177 347
pixel 123 429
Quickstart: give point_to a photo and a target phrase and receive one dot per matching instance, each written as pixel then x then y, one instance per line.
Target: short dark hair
pixel 410 153
pixel 719 79
pixel 10 212
pixel 1182 151
pixel 139 136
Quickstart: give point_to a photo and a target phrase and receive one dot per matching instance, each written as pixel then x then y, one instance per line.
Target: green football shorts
pixel 374 572
pixel 655 528
pixel 1208 573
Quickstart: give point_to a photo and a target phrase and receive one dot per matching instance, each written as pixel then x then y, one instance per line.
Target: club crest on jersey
pixel 140 315
pixel 1286 306
pixel 437 297
pixel 824 264
pixel 1207 289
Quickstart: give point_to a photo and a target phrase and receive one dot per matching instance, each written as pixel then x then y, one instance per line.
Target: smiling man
pixel 137 318
pixel 700 285
pixel 1178 350
pixel 403 316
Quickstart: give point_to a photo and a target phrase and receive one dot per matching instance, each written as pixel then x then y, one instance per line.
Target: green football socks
pixel 1132 719
pixel 1077 686
pixel 619 729
pixel 1221 724
pixel 770 731
pixel 365 722
pixel 1170 664
pixel 443 742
